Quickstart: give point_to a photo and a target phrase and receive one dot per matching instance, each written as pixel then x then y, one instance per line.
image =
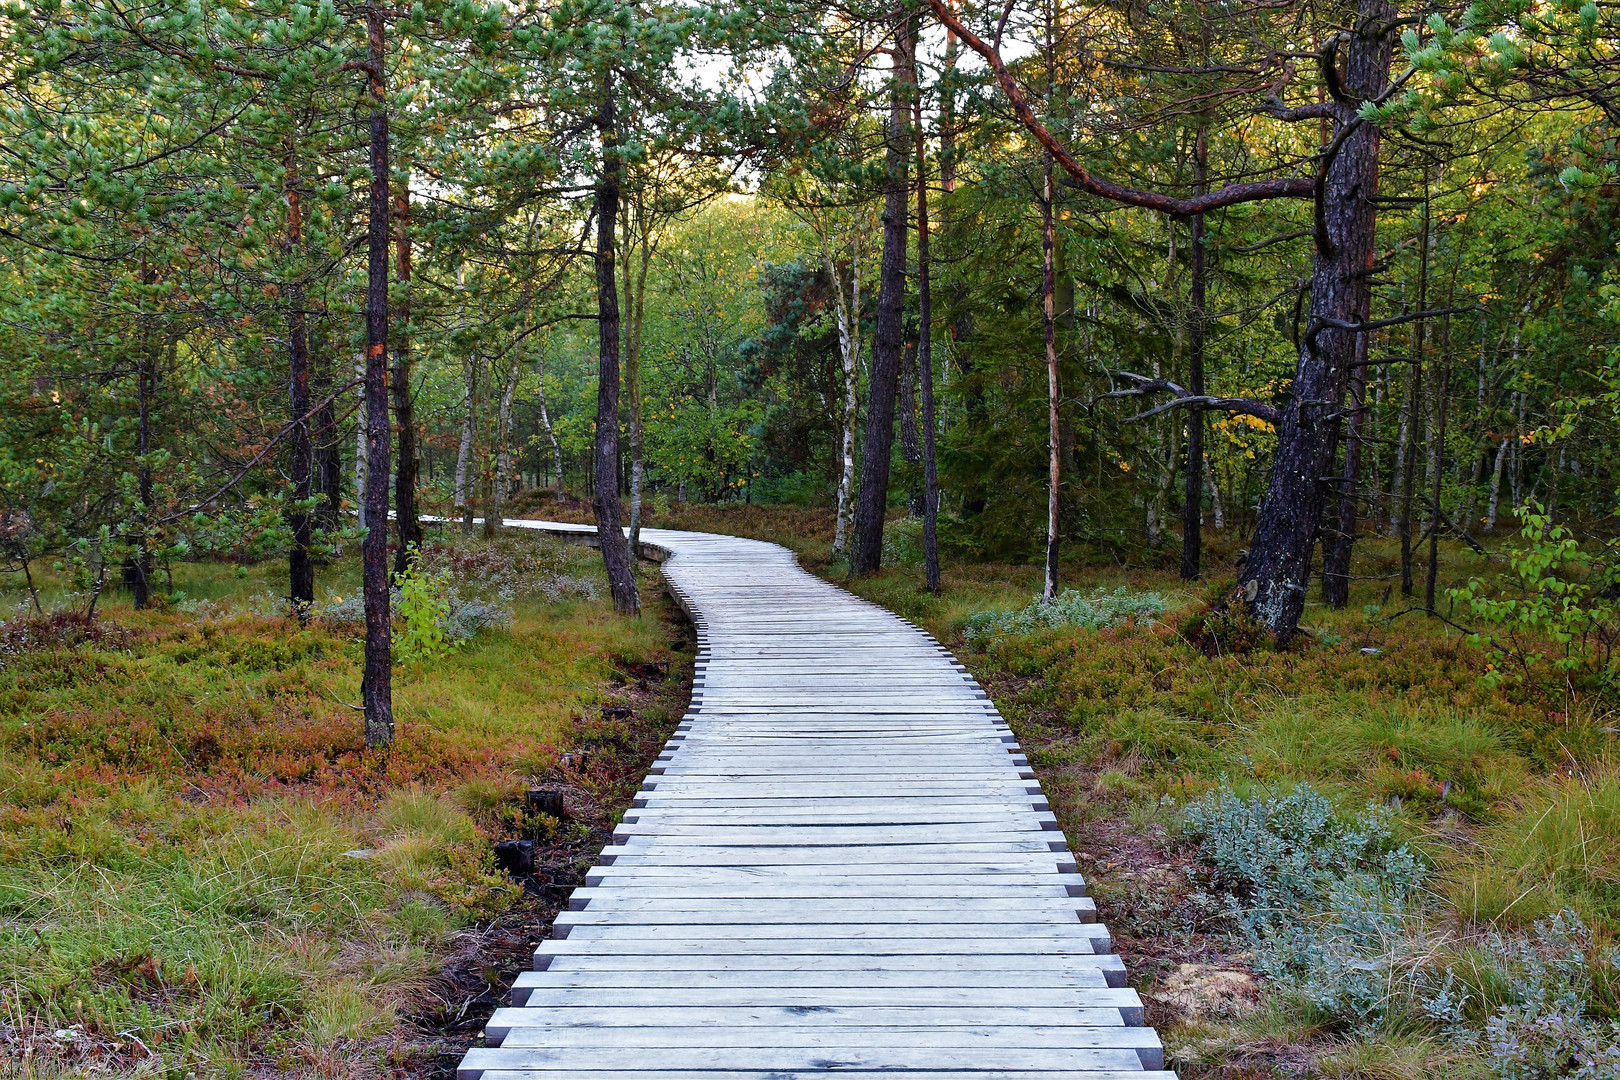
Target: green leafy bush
pixel 1566 598
pixel 422 607
pixel 1093 611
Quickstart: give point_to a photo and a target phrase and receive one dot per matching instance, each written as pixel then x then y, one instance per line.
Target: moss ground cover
pixel 204 872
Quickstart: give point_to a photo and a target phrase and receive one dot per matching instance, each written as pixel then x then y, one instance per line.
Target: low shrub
pixel 1096 610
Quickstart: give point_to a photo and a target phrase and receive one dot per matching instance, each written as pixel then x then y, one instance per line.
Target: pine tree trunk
pixel 409 463
pixel 616 554
pixel 377 686
pixel 1275 574
pixel 871 504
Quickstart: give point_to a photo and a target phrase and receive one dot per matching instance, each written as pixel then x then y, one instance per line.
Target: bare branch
pixel 1080 177
pixel 1186 400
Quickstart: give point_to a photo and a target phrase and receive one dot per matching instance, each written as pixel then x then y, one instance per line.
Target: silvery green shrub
pixel 1093 611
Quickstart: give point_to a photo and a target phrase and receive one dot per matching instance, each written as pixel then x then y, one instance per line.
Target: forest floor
pixel 203 872
pixel 1508 794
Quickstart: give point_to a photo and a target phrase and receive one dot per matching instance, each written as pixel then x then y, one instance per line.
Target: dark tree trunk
pixel 407 522
pixel 1192 510
pixel 1414 410
pixel 616 555
pixel 925 361
pixel 1336 560
pixel 872 499
pixel 377 690
pixel 1279 564
pixel 300 559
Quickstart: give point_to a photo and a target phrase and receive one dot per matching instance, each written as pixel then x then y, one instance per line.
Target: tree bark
pixel 377 685
pixel 1192 511
pixel 405 516
pixel 616 554
pixel 871 504
pixel 1275 574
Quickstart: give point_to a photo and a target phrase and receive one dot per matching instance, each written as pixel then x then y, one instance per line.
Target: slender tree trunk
pixel 1414 407
pixel 545 420
pixel 632 385
pixel 1496 484
pixel 300 559
pixel 1054 434
pixel 1192 512
pixel 362 427
pixel 1275 574
pixel 616 553
pixel 872 502
pixel 925 362
pixel 140 576
pixel 409 463
pixel 1435 511
pixel 849 349
pixel 328 458
pixel 377 686
pixel 910 437
pixel 469 424
pixel 503 443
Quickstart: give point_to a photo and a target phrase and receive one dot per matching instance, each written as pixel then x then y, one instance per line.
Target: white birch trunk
pixel 545 422
pixel 463 502
pixel 849 345
pixel 360 449
pixel 503 449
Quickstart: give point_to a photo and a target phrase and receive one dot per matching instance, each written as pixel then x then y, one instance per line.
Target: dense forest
pixel 1050 277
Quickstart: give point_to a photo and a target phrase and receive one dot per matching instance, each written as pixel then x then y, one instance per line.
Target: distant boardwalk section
pixel 840 863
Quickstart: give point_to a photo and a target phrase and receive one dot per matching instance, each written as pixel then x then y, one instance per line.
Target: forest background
pixel 1294 321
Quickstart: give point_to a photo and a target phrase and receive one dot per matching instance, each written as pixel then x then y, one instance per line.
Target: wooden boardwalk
pixel 840 863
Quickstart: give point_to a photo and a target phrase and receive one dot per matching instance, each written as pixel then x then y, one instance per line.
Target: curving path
pixel 841 862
